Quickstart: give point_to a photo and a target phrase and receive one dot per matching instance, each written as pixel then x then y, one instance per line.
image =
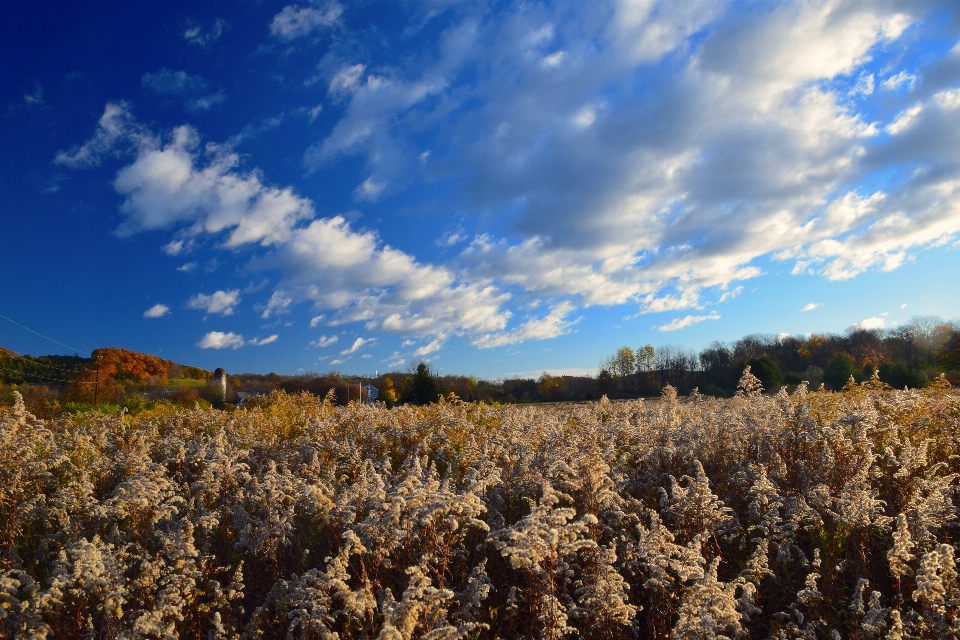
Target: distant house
pixel 371 392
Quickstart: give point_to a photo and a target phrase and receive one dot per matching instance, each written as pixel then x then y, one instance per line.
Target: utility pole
pixel 96 385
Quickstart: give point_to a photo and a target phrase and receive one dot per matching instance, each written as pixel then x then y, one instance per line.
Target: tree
pixel 388 394
pixel 603 382
pixel 549 387
pixel 839 370
pixel 425 386
pixel 644 358
pixel 768 372
pixel 624 362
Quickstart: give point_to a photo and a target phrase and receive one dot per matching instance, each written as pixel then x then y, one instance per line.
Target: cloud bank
pixel 646 154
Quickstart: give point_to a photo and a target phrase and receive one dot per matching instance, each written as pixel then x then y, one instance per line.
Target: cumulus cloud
pixel 171 185
pixel 156 311
pixel 810 306
pixel 268 340
pixel 207 102
pixel 324 341
pixel 730 295
pixel 295 21
pixel 117 131
pixel 761 143
pixel 221 340
pixel 194 34
pixel 182 84
pixel 315 320
pixel 870 323
pixel 903 79
pixel 431 347
pixel 686 321
pixel 219 302
pixel 357 345
pixel 552 325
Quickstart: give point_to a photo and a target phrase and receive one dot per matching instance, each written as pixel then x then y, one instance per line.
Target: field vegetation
pixel 810 514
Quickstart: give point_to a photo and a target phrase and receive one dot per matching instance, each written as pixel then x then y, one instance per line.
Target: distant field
pixel 185 383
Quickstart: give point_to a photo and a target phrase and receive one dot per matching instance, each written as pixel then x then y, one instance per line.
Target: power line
pixel 43 336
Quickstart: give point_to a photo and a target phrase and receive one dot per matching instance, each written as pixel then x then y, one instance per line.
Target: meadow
pixel 809 514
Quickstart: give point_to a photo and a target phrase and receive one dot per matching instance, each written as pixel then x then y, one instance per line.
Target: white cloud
pixel 315 320
pixel 294 21
pixel 810 306
pixel 219 302
pixel 550 326
pixel 268 340
pixel 751 148
pixel 408 343
pixel 553 60
pixel 369 190
pixel 451 238
pixel 864 86
pixel 221 340
pixel 870 323
pixel 357 345
pixel 207 102
pixel 167 81
pixel 686 321
pixel 324 341
pixel 279 304
pixel 156 311
pixel 730 295
pixel 187 267
pixel 165 187
pixel 35 98
pixel 117 131
pixel 346 79
pixel 901 79
pixel 195 35
pixel 426 349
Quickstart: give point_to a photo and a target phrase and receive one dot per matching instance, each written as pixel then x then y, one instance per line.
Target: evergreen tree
pixel 839 370
pixel 425 386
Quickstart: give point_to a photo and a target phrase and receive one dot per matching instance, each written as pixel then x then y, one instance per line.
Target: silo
pixel 220 382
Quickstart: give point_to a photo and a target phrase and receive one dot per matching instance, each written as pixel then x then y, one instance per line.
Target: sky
pixel 499 188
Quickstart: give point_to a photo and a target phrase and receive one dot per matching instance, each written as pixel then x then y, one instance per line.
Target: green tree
pixel 425 386
pixel 603 382
pixel 644 358
pixel 839 370
pixel 768 372
pixel 624 362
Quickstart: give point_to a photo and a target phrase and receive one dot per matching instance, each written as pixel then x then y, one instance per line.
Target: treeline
pixel 420 385
pixel 908 356
pixel 912 355
pixel 18 369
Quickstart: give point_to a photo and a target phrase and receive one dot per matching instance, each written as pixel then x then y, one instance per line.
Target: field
pixel 803 515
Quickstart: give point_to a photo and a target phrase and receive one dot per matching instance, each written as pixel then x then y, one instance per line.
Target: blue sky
pixel 497 187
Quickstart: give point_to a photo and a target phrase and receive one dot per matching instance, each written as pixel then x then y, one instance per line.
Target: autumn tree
pixel 388 394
